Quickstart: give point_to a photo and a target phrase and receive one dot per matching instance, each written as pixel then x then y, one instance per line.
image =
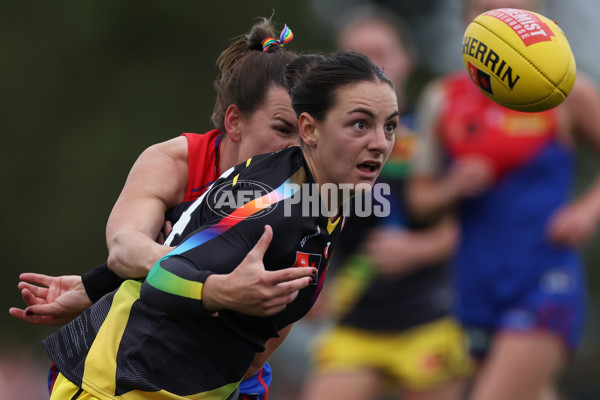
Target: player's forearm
pixel 270 346
pixel 590 201
pixel 429 199
pixel 436 244
pixel 132 254
pixel 175 286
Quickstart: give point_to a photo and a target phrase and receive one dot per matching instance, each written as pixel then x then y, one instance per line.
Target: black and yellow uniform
pixel 399 326
pixel 154 339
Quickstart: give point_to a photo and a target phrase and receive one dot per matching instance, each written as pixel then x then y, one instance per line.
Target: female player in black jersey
pixel 252 114
pixel 156 340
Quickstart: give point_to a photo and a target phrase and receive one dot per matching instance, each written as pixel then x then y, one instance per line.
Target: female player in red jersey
pixel 519 279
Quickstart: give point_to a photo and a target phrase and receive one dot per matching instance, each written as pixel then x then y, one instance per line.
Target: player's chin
pixel 362 185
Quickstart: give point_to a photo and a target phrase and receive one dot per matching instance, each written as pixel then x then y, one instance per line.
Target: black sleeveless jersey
pixel 153 339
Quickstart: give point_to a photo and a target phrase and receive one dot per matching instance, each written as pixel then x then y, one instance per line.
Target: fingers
pixel 17 313
pixel 293 286
pixel 40 279
pixel 30 318
pixel 275 305
pixel 167 228
pixel 50 309
pixel 35 290
pixel 263 243
pixel 30 299
pixel 290 274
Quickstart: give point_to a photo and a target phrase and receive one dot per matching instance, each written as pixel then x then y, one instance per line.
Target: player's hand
pixel 571 225
pixel 164 233
pixel 469 177
pixel 391 251
pixel 51 300
pixel 251 289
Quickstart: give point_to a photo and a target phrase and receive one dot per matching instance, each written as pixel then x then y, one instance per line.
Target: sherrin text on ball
pixel 520 59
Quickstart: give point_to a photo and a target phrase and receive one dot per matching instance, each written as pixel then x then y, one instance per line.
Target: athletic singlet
pixel 155 338
pixel 203 170
pixel 203 162
pixel 504 247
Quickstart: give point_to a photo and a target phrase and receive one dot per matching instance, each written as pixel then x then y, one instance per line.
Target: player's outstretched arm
pixel 54 300
pixel 51 300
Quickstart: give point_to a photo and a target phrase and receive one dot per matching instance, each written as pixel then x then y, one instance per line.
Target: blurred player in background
pixel 391 299
pixel 519 278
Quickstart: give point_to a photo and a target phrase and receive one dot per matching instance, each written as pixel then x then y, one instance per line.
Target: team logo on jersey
pixel 307 260
pixel 242 196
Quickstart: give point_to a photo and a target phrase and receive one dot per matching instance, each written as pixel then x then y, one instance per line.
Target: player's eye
pixel 390 127
pixel 360 125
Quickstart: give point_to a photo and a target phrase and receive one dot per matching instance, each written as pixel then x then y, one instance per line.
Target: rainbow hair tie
pixel 285 37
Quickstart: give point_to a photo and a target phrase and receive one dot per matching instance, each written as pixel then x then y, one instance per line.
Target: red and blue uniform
pixel 509 274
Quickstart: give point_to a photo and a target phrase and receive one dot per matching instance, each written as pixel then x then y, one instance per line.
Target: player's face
pixel 357 135
pixel 382 45
pixel 272 127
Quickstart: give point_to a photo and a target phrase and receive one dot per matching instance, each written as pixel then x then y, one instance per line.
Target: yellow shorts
pixel 419 358
pixel 64 389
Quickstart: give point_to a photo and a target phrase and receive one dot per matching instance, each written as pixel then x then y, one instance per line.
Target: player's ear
pixel 233 123
pixel 309 132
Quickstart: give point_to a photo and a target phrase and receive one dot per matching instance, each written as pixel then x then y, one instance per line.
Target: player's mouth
pixel 369 168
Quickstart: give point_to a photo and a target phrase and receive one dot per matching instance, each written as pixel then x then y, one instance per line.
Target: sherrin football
pixel 520 59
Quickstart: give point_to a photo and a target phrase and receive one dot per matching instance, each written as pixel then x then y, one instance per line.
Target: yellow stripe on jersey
pixel 99 376
pixel 248 161
pixel 101 362
pixel 65 389
pixel 235 178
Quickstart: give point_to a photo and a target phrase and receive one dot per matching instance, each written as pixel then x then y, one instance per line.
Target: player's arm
pixel 179 284
pixel 426 196
pixel 432 191
pixel 397 252
pixel 575 223
pixel 156 182
pixel 250 289
pixel 270 346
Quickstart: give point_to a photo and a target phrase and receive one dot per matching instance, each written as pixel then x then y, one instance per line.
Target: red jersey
pixel 471 124
pixel 203 162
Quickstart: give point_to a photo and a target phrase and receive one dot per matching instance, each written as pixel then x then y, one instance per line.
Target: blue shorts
pixel 253 388
pixel 257 386
pixel 556 305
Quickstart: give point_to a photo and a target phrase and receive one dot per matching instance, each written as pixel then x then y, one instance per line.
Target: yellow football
pixel 520 59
